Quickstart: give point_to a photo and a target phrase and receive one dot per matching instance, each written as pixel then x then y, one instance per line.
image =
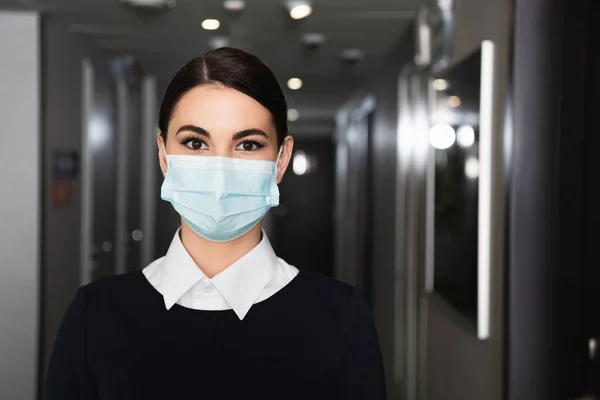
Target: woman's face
pixel 212 120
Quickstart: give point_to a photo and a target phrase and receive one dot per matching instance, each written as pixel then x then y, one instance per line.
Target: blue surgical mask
pixel 220 198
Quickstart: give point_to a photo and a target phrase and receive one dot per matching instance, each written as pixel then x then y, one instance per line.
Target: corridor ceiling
pixel 163 41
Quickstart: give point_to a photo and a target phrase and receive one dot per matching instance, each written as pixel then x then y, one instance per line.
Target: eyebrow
pixel 248 132
pixel 236 136
pixel 193 128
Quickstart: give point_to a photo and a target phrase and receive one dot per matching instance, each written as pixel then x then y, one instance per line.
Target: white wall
pixel 19 204
pixel 459 367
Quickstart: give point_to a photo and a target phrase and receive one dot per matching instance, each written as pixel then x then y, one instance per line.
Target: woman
pixel 220 316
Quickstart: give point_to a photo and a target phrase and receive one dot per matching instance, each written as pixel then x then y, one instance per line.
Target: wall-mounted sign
pixel 65 169
pixel 64 164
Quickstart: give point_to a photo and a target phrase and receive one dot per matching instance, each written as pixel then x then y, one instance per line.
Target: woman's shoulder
pixel 325 284
pixel 325 291
pixel 117 287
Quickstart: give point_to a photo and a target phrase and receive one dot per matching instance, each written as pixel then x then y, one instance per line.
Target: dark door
pixel 104 172
pixel 135 136
pixel 590 273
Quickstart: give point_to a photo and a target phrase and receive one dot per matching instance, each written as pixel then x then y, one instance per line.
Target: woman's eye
pixel 249 145
pixel 195 144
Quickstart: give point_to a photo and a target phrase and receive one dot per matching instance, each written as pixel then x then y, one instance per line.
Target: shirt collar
pixel 240 284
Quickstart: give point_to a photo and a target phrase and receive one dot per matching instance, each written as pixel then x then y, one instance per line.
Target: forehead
pixel 220 109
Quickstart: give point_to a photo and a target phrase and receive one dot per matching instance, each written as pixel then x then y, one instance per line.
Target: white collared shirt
pixel 253 278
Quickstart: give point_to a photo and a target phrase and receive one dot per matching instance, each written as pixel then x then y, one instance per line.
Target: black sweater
pixel 314 339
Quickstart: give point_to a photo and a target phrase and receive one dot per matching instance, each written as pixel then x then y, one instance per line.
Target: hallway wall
pixel 460 366
pixel 63 53
pixel 384 89
pixel 454 364
pixel 20 210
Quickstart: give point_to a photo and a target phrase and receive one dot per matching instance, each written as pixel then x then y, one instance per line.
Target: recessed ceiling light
pixel 218 41
pixel 454 101
pixel 292 115
pixel 300 163
pixel 352 54
pixel 465 136
pixel 294 83
pixel 442 136
pixel 313 39
pixel 155 4
pixel 211 24
pixel 299 9
pixel 234 5
pixel 440 84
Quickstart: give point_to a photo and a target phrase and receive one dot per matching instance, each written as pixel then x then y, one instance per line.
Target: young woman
pixel 220 316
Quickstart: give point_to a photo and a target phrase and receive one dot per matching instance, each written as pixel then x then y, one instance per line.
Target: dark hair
pixel 232 68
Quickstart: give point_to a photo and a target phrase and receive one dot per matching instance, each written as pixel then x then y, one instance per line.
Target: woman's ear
pixel 162 157
pixel 285 157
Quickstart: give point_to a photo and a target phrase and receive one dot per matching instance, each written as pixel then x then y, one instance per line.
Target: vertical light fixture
pixel 485 191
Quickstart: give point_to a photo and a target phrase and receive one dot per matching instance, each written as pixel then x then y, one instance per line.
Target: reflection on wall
pixel 455 138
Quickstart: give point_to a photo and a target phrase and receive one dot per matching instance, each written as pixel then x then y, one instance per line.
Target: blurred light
pixel 99 131
pixel 454 101
pixel 218 41
pixel 445 4
pixel 593 347
pixel 234 5
pixel 299 9
pixel 352 54
pixel 313 39
pixel 137 235
pixel 300 163
pixel 472 168
pixel 292 115
pixel 442 136
pixel 484 239
pixel 211 24
pixel 423 56
pixel 294 83
pixel 107 246
pixel 156 4
pixel 465 136
pixel 440 84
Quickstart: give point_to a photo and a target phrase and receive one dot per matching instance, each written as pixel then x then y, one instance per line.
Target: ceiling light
pixel 292 115
pixel 299 9
pixel 294 83
pixel 313 39
pixel 465 136
pixel 352 54
pixel 234 5
pixel 150 4
pixel 472 168
pixel 218 41
pixel 211 24
pixel 442 136
pixel 454 101
pixel 300 163
pixel 440 84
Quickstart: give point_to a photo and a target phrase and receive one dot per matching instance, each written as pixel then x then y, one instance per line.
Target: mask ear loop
pixel 277 161
pixel 165 153
pixel 279 155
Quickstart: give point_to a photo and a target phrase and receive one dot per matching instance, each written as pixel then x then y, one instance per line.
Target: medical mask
pixel 220 198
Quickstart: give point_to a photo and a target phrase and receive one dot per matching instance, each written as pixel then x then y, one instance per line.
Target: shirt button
pixel 208 288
